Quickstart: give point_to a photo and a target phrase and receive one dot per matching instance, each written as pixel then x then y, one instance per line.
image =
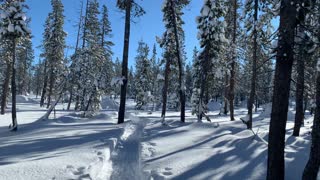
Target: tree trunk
pixel 123 94
pixel 299 94
pixel 180 64
pixel 277 129
pixel 14 88
pixel 165 89
pixel 70 99
pixel 254 66
pixel 5 88
pixel 313 166
pixel 45 83
pixel 233 64
pixel 226 93
pixel 51 85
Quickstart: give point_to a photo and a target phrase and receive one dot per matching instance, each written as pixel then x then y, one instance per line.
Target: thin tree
pixel 126 5
pixel 180 64
pixel 285 58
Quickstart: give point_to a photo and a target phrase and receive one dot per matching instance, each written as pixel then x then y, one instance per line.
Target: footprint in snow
pixel 167 173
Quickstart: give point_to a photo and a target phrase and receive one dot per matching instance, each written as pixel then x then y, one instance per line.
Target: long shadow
pixel 40 147
pixel 242 151
pixel 187 148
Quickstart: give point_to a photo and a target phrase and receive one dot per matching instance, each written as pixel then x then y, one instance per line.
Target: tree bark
pixel 14 88
pixel 45 83
pixel 254 66
pixel 313 165
pixel 123 93
pixel 51 85
pixel 70 99
pixel 5 88
pixel 299 94
pixel 277 129
pixel 233 63
pixel 180 64
pixel 165 89
pixel 226 94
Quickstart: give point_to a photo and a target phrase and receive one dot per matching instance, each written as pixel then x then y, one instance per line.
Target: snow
pixel 205 11
pixel 68 147
pixel 72 147
pixel 117 81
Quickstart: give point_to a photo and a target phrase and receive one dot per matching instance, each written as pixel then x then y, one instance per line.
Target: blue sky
pixel 146 28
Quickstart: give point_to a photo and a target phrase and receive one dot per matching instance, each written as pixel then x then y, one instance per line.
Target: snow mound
pixel 214 106
pixel 109 104
pixel 267 108
pixel 24 99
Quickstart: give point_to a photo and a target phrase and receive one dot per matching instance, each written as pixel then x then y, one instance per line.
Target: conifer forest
pixel 159 89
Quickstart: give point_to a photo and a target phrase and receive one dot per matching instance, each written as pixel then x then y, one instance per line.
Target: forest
pixel 243 103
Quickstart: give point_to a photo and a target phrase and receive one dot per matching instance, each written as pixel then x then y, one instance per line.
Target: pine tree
pixel 13 26
pixel 128 6
pixel 55 48
pixel 7 73
pixel 290 17
pixel 143 74
pixel 172 41
pixel 25 56
pixel 311 171
pixel 258 25
pixel 106 43
pixel 90 61
pixel 212 40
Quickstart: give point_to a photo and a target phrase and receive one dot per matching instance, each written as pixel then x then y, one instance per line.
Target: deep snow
pixel 71 147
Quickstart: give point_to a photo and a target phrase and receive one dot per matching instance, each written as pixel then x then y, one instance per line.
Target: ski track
pixel 126 158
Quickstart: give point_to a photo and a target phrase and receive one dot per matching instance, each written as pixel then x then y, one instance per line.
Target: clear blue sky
pixel 147 27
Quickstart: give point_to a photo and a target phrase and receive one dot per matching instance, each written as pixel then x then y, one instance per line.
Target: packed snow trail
pixel 126 157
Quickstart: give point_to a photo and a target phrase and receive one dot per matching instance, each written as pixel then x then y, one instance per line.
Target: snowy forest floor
pixel 71 147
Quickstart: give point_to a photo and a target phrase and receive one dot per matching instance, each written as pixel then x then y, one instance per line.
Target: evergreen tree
pixel 13 26
pixel 172 41
pixel 90 61
pixel 54 52
pixel 25 56
pixel 212 40
pixel 143 74
pixel 290 17
pixel 128 6
pixel 258 26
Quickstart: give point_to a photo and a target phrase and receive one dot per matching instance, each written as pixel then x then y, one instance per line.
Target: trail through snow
pixel 126 158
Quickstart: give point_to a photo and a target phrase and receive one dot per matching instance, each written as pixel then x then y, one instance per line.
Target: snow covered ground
pixel 68 147
pixel 218 150
pixel 72 147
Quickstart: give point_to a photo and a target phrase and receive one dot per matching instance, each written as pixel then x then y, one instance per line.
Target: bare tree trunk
pixel 313 166
pixel 51 85
pixel 165 89
pixel 180 63
pixel 45 84
pixel 254 66
pixel 70 99
pixel 277 129
pixel 226 94
pixel 5 88
pixel 14 88
pixel 299 94
pixel 233 64
pixel 123 95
